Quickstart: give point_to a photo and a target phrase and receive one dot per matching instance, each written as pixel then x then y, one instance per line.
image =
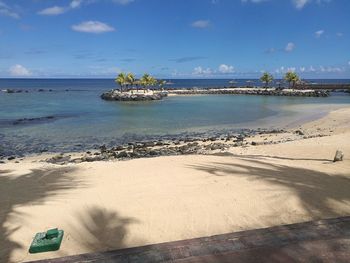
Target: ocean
pixel 72 117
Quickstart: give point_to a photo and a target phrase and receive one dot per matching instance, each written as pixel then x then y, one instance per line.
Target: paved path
pixel 316 241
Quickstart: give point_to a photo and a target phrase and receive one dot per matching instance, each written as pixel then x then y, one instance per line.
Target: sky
pixel 174 38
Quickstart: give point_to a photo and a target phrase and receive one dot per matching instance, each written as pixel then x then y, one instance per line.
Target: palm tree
pixel 161 84
pixel 291 77
pixel 266 78
pixel 130 79
pixel 121 80
pixel 152 81
pixel 144 81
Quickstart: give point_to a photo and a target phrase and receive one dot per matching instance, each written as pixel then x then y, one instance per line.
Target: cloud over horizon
pixel 19 71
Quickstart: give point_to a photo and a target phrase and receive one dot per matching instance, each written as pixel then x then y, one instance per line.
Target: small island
pixel 132 89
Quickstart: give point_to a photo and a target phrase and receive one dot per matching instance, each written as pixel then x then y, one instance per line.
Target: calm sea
pixel 80 120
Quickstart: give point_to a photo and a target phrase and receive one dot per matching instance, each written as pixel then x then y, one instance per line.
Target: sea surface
pixel 72 117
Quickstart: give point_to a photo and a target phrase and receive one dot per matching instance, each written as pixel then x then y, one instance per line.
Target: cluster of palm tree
pixel 128 81
pixel 291 77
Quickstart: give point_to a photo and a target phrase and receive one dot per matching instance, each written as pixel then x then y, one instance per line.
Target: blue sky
pixel 174 38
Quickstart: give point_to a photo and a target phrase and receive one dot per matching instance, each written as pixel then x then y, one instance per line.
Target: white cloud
pixel 221 70
pixel 349 63
pixel 95 27
pixel 201 24
pixel 311 69
pixel 123 2
pixel 52 11
pixel 340 34
pixel 202 71
pixel 331 69
pixel 225 69
pixel 5 10
pixel 319 33
pixel 19 71
pixel 59 10
pixel 75 4
pixel 290 47
pixel 253 1
pixel 299 4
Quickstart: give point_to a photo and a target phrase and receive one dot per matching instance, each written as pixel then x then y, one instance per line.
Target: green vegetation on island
pixel 128 82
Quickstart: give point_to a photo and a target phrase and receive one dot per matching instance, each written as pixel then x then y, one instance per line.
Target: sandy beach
pixel 115 204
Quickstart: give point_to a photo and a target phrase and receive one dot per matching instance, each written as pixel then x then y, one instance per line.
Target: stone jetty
pixel 253 91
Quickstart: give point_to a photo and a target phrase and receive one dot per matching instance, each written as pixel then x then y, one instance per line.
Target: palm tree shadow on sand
pixel 32 188
pixel 314 189
pixel 100 229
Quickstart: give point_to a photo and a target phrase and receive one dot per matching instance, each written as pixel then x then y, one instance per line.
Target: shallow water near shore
pixel 77 119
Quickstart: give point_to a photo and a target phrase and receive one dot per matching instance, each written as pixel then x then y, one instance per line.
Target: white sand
pixel 109 205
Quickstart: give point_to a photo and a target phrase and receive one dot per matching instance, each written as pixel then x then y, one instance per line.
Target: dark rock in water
pixel 33 120
pixel 339 156
pixel 9 91
pixel 11 158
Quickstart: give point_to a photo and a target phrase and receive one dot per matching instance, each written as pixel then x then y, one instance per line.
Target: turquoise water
pixel 82 120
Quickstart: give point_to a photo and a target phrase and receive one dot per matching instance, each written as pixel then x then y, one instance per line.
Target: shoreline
pixel 107 205
pixel 220 135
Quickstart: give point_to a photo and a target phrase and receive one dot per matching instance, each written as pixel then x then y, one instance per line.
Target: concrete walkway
pixel 316 241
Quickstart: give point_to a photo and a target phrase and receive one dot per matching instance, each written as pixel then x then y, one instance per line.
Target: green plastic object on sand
pixel 47 241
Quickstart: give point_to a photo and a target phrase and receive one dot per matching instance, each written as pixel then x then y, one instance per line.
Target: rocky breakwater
pixel 117 95
pixel 253 91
